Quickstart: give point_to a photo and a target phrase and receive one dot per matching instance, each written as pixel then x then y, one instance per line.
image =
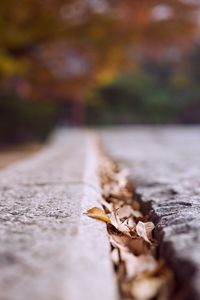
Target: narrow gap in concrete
pixel 141 274
pixel 184 270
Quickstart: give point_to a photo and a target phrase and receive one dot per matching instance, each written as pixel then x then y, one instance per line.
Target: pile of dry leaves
pixel 139 274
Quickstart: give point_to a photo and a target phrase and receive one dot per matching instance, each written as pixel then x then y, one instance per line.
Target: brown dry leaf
pixel 116 244
pixel 128 227
pixel 122 218
pixel 117 238
pixel 135 205
pixel 146 288
pixel 121 271
pixel 138 246
pixel 124 229
pixel 116 203
pixel 144 230
pixel 115 256
pixel 126 211
pixel 98 213
pixel 164 278
pixel 134 244
pixel 146 263
pixel 161 270
pixel 121 177
pixel 131 263
pixel 117 223
pixel 108 206
pixel 136 265
pixel 130 223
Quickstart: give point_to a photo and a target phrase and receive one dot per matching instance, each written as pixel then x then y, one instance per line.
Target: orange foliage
pixel 60 48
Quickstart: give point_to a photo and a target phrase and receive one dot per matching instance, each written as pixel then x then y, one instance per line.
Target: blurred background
pixel 95 63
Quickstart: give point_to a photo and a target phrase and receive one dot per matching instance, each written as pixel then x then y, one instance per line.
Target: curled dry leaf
pixel 157 283
pixel 126 211
pixel 130 223
pixel 131 263
pixel 115 256
pixel 134 244
pixel 136 265
pixel 121 178
pixel 146 263
pixel 108 206
pixel 117 223
pixel 146 288
pixel 116 244
pixel 144 230
pixel 98 213
pixel 135 205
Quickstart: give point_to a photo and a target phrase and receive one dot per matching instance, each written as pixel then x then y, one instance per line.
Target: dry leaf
pixel 145 288
pixel 121 178
pixel 136 205
pixel 136 265
pixel 115 256
pixel 146 263
pixel 134 244
pixel 131 263
pixel 117 223
pixel 126 211
pixel 116 244
pixel 107 205
pixel 130 223
pixel 98 213
pixel 138 246
pixel 144 230
pixel 122 219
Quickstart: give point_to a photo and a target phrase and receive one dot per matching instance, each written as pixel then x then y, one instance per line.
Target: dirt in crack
pixel 139 274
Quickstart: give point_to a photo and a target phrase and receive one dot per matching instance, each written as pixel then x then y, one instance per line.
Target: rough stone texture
pixel 49 250
pixel 165 167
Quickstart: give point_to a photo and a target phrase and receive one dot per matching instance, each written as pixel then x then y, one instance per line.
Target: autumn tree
pixel 58 49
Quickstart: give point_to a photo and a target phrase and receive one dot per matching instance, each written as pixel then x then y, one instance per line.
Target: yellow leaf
pixel 98 213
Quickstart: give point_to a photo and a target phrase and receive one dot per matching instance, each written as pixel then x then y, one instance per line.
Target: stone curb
pixel 49 250
pixel 165 170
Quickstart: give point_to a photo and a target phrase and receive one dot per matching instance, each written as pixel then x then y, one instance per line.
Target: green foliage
pixel 145 97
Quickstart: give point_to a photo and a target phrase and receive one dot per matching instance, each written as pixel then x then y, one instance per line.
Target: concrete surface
pixel 49 250
pixel 165 168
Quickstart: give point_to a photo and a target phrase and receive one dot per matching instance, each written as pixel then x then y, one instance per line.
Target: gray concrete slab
pixel 165 168
pixel 49 250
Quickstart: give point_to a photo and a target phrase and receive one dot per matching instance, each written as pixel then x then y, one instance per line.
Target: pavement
pixel 165 170
pixel 49 250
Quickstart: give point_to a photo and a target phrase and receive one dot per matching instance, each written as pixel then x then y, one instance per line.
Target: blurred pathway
pixel 12 154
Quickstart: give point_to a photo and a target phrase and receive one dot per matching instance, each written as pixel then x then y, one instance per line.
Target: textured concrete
pixel 49 250
pixel 165 167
